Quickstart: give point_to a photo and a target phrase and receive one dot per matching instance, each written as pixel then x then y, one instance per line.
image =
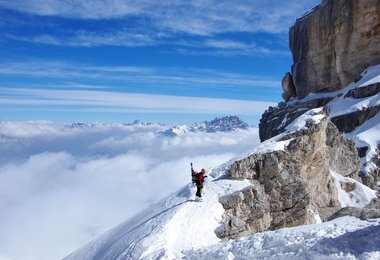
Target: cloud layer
pixel 162 76
pixel 62 185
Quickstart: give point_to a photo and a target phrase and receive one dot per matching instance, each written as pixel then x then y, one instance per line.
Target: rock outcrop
pixel 351 108
pixel 332 45
pixel 289 90
pixel 290 186
pixel 349 122
pixel 275 119
pixel 372 180
pixel 372 210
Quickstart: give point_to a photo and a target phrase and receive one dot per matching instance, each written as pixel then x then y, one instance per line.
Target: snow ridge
pixel 166 229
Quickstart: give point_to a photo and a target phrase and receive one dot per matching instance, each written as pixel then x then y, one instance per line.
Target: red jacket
pixel 198 177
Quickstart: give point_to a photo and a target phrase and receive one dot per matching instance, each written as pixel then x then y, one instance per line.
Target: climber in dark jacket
pixel 198 179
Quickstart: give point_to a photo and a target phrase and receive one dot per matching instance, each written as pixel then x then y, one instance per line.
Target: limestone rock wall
pixel 275 120
pixel 290 186
pixel 332 45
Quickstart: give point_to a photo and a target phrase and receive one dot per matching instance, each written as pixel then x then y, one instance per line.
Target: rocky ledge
pixel 293 186
pixel 354 110
pixel 372 210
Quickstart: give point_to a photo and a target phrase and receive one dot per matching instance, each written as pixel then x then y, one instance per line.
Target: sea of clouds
pixel 62 185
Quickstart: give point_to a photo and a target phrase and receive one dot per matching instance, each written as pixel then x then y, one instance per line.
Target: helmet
pixel 203 170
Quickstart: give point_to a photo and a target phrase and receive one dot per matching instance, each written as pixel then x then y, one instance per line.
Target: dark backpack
pixel 194 177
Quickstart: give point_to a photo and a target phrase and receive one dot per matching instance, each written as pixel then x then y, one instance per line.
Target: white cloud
pixel 61 69
pixel 166 76
pixel 124 102
pixel 90 9
pixel 165 22
pixel 208 46
pixel 62 186
pixel 194 17
pixel 230 49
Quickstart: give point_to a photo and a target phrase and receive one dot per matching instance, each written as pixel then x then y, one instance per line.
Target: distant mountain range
pixel 219 124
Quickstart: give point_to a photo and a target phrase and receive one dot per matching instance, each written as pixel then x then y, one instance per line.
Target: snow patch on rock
pixel 359 197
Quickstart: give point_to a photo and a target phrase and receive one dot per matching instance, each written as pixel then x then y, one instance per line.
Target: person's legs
pixel 199 190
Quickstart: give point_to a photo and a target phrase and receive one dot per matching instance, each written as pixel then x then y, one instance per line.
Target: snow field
pixel 343 238
pixel 194 224
pixel 359 197
pixel 167 228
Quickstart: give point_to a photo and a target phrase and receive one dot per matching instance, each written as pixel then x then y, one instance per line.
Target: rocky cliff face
pixel 290 186
pixel 354 110
pixel 332 45
pixel 275 119
pixel 336 55
pixel 333 48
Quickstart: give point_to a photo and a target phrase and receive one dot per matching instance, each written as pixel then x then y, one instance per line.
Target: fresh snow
pixel 299 123
pixel 343 238
pixel 341 105
pixel 180 228
pixel 367 135
pixel 359 197
pixel 370 76
pixel 166 229
pixel 271 145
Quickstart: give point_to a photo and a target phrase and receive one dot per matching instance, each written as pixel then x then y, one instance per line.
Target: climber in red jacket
pixel 198 180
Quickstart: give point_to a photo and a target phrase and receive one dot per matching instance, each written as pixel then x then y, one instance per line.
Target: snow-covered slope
pixel 343 238
pixel 168 228
pixel 367 134
pixel 180 228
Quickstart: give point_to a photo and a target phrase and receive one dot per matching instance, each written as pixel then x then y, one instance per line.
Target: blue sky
pixel 160 61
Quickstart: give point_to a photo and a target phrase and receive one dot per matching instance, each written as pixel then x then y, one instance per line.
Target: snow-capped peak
pixel 218 124
pixel 222 124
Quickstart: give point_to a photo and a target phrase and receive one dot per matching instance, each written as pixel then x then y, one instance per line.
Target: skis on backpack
pixel 193 173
